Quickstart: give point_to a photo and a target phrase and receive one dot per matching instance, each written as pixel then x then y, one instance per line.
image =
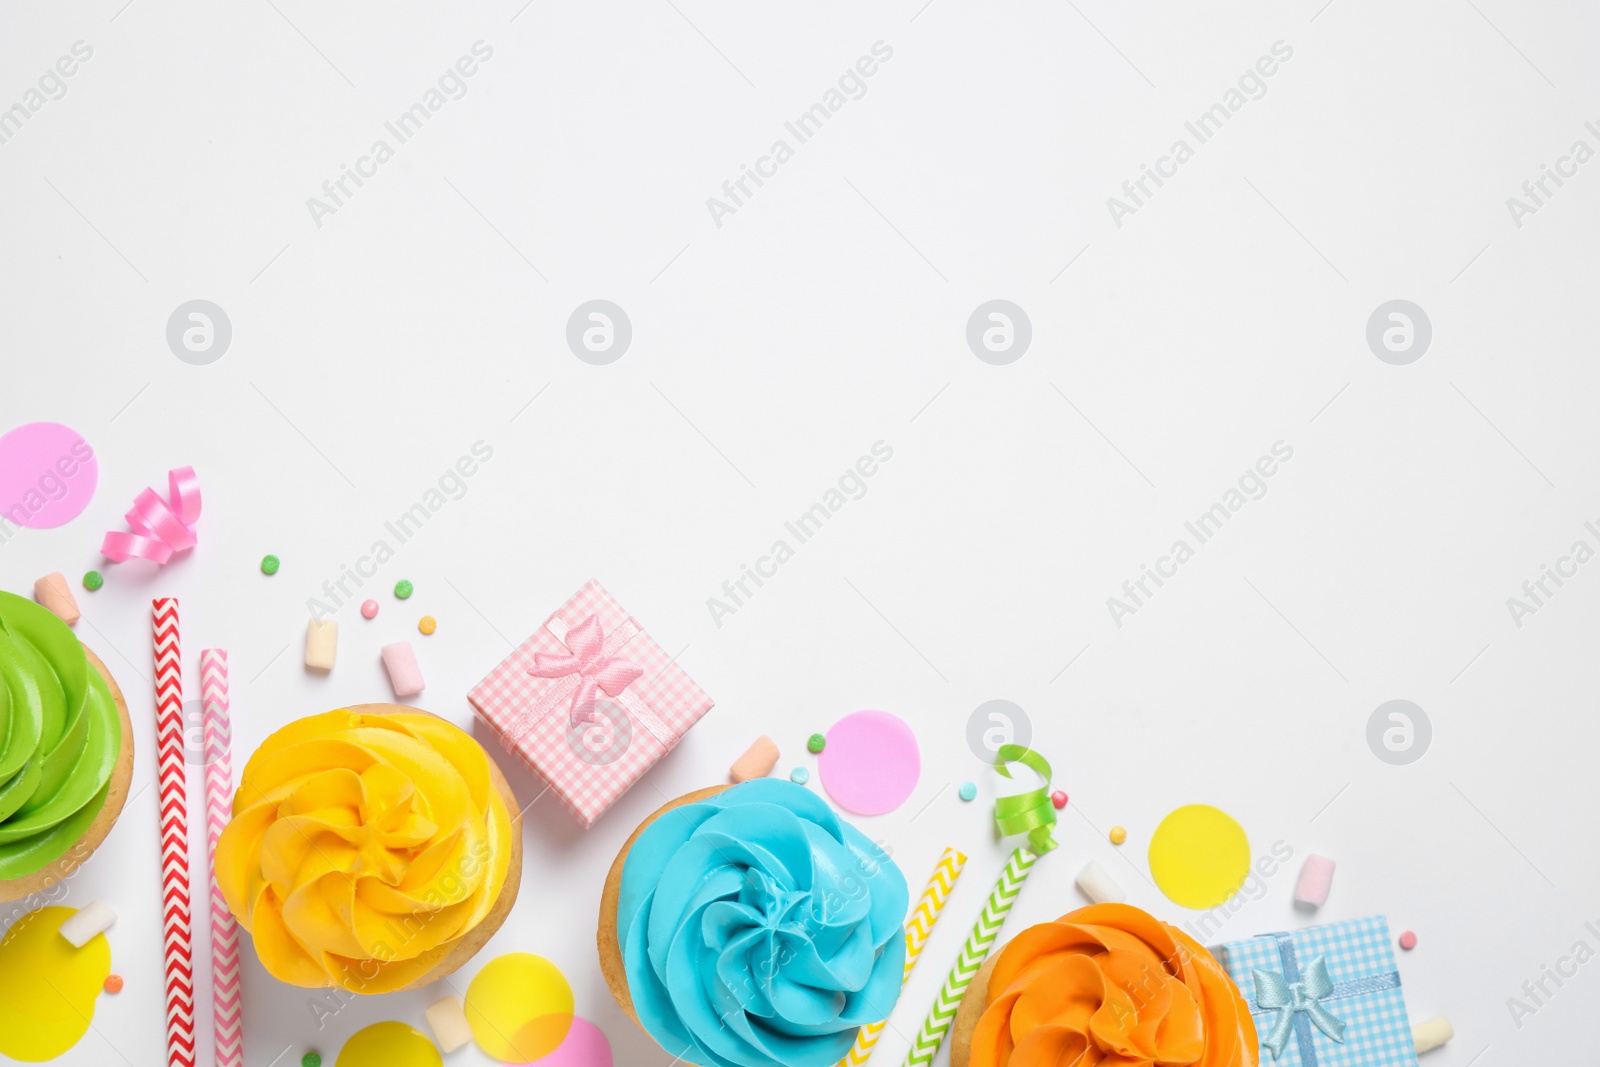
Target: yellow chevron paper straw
pixel 918 929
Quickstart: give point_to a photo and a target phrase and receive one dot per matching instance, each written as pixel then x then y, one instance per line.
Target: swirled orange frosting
pixel 1110 984
pixel 363 848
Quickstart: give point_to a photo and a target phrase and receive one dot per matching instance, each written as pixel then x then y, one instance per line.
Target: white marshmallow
pixel 449 1024
pixel 89 921
pixel 1097 884
pixel 322 644
pixel 1431 1033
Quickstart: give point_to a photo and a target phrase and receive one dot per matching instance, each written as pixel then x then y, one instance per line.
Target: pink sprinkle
pixel 1059 799
pixel 369 609
pixel 1408 940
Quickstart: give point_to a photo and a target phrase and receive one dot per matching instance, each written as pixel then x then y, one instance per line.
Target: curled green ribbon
pixel 1029 813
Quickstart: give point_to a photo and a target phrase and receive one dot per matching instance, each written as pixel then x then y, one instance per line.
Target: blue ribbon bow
pixel 1292 998
pixel 1298 998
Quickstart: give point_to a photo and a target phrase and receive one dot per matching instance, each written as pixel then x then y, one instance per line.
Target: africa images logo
pixel 851 85
pixel 451 85
pixel 1252 85
pixel 1251 485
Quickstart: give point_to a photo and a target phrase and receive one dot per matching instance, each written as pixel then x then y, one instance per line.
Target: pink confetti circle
pixel 585 1046
pixel 871 762
pixel 48 475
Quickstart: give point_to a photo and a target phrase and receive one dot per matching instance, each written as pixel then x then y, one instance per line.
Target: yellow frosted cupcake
pixel 371 849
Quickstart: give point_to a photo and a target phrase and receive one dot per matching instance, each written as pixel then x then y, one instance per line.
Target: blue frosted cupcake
pixel 751 926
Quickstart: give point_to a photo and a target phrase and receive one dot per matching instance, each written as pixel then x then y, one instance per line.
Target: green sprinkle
pixel 969 791
pixel 799 776
pixel 403 588
pixel 269 564
pixel 816 743
pixel 311 1059
pixel 92 580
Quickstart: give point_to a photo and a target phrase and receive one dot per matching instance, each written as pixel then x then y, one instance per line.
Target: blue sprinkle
pixel 799 776
pixel 969 791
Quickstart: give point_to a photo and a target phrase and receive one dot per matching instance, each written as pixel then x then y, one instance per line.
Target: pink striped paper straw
pixel 227 1005
pixel 172 774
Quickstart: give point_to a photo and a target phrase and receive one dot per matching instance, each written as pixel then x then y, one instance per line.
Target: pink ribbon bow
pixel 596 671
pixel 161 527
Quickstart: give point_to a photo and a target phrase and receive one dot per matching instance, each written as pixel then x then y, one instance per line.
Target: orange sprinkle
pixel 114 983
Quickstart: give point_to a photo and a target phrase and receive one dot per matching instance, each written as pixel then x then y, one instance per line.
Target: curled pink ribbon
pixel 596 671
pixel 161 527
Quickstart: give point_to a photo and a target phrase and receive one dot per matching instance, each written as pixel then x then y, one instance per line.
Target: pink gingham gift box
pixel 590 701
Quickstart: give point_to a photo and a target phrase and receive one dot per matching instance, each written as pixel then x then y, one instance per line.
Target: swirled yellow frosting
pixel 363 847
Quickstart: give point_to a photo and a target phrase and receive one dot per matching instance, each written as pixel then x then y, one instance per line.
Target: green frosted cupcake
pixel 66 749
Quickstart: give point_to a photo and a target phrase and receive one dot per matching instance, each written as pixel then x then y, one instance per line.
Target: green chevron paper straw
pixel 1030 813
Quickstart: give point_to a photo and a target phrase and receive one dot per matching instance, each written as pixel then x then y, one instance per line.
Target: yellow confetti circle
pixel 47 987
pixel 1199 856
pixel 389 1045
pixel 519 1007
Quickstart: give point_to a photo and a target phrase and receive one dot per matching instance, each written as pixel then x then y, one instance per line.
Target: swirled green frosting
pixel 60 736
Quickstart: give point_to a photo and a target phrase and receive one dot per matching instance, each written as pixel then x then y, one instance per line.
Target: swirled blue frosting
pixel 758 928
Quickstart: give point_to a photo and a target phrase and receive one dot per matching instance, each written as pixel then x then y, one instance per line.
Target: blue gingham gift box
pixel 1325 996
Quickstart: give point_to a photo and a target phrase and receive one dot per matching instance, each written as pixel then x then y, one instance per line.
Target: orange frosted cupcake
pixel 371 849
pixel 1104 984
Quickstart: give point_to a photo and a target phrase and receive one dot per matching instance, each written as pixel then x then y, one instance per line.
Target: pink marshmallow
pixel 757 762
pixel 53 592
pixel 1316 878
pixel 405 675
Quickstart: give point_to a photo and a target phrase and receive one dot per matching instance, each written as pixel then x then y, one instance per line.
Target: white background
pixel 828 313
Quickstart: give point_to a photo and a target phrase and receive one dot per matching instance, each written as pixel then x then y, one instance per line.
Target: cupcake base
pixel 84 847
pixel 611 965
pixel 471 944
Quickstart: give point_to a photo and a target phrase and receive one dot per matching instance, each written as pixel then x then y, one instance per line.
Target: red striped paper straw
pixel 227 1020
pixel 171 773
